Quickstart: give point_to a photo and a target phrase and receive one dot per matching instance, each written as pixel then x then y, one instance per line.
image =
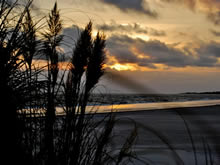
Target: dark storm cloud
pixel 210 50
pixel 130 28
pixel 155 51
pixel 163 54
pixel 208 54
pixel 140 6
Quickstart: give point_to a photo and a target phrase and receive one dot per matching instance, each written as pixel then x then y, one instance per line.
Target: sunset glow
pixel 150 36
pixel 121 67
pixel 100 82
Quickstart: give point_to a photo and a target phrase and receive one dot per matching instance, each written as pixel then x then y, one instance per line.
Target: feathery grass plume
pixel 78 64
pixel 94 70
pixel 30 42
pixel 73 97
pixel 82 143
pixel 95 63
pixel 82 51
pixel 52 40
pixel 72 90
pixel 36 137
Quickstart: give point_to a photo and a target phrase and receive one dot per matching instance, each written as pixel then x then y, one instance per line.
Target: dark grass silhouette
pixel 30 96
pixel 51 40
pixel 37 135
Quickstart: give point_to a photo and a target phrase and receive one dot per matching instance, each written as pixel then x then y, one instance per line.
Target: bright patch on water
pixel 146 106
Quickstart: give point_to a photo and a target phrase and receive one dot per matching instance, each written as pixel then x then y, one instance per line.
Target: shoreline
pixel 197 108
pixel 154 106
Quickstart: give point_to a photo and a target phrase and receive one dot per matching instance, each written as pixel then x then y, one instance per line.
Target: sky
pixel 166 46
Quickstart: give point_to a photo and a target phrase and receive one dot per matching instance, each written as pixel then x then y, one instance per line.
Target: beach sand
pixel 172 136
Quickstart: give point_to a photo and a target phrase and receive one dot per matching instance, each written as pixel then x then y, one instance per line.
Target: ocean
pixel 103 103
pixel 109 99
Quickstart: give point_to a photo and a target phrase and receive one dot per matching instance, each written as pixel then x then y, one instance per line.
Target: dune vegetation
pixel 29 92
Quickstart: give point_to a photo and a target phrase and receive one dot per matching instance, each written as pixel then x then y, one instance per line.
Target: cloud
pixel 211 4
pixel 189 3
pixel 9 2
pixel 214 17
pixel 210 7
pixel 161 53
pixel 127 28
pixel 130 28
pixel 22 3
pixel 149 53
pixel 36 9
pixel 153 51
pixel 120 48
pixel 211 49
pixel 139 6
pixel 155 32
pixel 215 33
pixel 70 36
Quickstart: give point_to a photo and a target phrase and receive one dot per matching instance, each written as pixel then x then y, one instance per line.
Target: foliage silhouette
pixel 30 92
pixel 30 95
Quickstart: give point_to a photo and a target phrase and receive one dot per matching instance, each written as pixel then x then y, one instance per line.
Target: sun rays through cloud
pixel 148 35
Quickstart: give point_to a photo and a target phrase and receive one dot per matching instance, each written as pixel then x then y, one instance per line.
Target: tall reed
pixel 30 98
